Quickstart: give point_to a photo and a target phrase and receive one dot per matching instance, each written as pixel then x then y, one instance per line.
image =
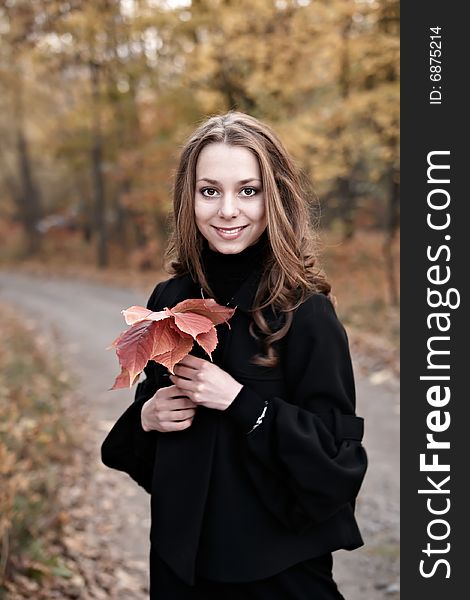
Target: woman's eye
pixel 251 192
pixel 209 192
pixel 212 192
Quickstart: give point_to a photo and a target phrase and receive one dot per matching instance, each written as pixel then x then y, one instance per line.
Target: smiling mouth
pixel 231 229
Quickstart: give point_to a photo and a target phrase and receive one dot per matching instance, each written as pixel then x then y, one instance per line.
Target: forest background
pixel 96 99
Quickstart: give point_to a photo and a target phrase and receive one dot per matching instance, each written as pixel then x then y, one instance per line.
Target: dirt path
pixel 86 318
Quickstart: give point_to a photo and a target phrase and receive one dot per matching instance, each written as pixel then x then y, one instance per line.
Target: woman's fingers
pixel 175 400
pixel 176 415
pixel 177 403
pixel 175 425
pixel 173 420
pixel 187 385
pixel 184 371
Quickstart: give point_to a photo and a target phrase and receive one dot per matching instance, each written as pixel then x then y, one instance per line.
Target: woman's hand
pixel 167 411
pixel 205 383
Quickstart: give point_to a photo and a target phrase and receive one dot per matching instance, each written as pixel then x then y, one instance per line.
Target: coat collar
pixel 243 299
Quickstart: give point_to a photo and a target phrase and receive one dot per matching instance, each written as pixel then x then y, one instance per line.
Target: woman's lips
pixel 230 233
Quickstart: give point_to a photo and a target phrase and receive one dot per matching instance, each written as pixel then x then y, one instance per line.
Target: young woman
pixel 253 460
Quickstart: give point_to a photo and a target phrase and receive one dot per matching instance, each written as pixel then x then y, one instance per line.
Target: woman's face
pixel 229 202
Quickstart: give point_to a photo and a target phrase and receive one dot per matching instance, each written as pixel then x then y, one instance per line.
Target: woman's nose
pixel 228 207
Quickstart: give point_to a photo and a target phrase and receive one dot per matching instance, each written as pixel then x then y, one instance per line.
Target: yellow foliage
pixel 325 74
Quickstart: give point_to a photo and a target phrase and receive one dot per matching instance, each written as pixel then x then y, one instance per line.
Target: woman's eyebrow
pixel 215 182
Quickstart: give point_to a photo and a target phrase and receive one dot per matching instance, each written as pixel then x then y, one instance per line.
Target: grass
pixel 36 440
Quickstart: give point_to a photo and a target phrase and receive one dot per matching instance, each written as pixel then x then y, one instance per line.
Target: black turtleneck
pixel 226 272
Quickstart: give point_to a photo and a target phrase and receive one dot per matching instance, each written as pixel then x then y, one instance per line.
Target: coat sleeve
pixel 127 446
pixel 303 452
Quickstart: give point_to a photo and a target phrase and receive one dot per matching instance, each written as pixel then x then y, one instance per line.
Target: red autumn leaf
pixel 137 344
pixel 134 314
pixel 122 380
pixel 166 336
pixel 170 358
pixel 192 323
pixel 208 340
pixel 208 308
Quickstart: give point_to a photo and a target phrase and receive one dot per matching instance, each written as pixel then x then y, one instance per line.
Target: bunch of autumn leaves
pixel 166 336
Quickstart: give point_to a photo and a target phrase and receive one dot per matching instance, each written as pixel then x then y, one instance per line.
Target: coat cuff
pixel 246 409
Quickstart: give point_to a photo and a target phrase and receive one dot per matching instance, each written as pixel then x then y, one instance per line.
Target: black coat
pixel 236 506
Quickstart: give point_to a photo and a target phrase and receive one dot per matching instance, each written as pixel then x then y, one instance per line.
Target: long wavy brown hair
pixel 290 272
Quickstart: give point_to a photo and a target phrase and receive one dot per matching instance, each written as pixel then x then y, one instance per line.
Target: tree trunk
pixel 348 206
pixel 393 218
pixel 127 133
pixel 346 193
pixel 84 209
pixel 28 199
pixel 28 196
pixel 121 216
pixel 97 169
